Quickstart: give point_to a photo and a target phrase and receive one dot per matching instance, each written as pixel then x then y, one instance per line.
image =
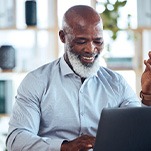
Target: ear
pixel 62 36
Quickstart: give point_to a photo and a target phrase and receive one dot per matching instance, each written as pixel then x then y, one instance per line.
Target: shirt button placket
pixel 81 107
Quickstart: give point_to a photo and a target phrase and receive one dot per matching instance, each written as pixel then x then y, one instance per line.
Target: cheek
pixel 77 49
pixel 68 46
pixel 100 49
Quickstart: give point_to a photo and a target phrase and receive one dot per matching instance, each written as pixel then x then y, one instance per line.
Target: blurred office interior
pixel 38 43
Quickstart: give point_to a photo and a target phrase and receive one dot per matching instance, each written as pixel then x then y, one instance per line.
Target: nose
pixel 91 48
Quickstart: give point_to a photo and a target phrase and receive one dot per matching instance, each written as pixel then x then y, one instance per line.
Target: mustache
pixel 85 54
pixel 94 55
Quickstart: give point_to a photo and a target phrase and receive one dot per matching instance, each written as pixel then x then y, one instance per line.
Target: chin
pixel 83 69
pixel 89 65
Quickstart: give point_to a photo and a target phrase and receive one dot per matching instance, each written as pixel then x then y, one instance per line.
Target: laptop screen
pixel 124 129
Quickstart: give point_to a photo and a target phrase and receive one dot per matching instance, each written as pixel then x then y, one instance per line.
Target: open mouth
pixel 87 59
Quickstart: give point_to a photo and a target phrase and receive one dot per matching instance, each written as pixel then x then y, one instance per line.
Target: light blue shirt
pixel 52 105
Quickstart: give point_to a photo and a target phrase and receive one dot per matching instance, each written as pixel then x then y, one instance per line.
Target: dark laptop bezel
pixel 124 129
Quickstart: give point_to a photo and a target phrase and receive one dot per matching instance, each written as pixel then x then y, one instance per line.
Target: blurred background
pixel 29 39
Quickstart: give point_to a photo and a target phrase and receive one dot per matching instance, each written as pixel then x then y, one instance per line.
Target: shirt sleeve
pixel 129 97
pixel 25 120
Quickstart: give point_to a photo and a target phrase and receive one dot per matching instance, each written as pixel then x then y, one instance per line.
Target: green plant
pixel 111 15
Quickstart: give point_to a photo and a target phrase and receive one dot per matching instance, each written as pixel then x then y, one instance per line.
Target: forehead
pixel 87 29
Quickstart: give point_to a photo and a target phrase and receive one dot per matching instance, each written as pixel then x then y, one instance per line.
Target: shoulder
pixel 42 73
pixel 45 70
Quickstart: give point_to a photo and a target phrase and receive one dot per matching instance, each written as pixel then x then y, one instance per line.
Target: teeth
pixel 88 58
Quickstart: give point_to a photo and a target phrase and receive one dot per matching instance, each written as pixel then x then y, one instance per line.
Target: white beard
pixel 80 69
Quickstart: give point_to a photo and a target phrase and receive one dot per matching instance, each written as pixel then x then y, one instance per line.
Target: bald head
pixel 79 15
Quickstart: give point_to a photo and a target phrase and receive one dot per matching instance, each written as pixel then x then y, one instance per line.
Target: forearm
pixel 23 140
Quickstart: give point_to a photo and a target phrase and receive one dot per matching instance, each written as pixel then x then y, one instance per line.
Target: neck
pixel 82 79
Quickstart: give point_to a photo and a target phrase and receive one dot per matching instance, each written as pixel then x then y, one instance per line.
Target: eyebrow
pixel 84 38
pixel 98 38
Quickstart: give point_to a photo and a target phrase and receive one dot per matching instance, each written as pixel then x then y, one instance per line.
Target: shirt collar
pixel 65 69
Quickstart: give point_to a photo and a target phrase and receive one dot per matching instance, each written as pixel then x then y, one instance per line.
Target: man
pixel 58 105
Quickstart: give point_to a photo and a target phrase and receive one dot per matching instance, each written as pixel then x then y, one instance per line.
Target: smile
pixel 88 59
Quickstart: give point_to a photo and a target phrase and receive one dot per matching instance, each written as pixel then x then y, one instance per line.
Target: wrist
pixel 146 98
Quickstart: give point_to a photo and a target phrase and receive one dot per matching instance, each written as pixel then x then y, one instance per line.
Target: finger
pixel 89 146
pixel 86 142
pixel 149 54
pixel 148 66
pixel 86 146
pixel 149 61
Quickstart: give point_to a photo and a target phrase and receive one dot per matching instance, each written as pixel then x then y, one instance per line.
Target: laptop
pixel 124 129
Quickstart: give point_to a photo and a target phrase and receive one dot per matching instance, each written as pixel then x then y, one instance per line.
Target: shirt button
pixel 81 91
pixel 81 113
